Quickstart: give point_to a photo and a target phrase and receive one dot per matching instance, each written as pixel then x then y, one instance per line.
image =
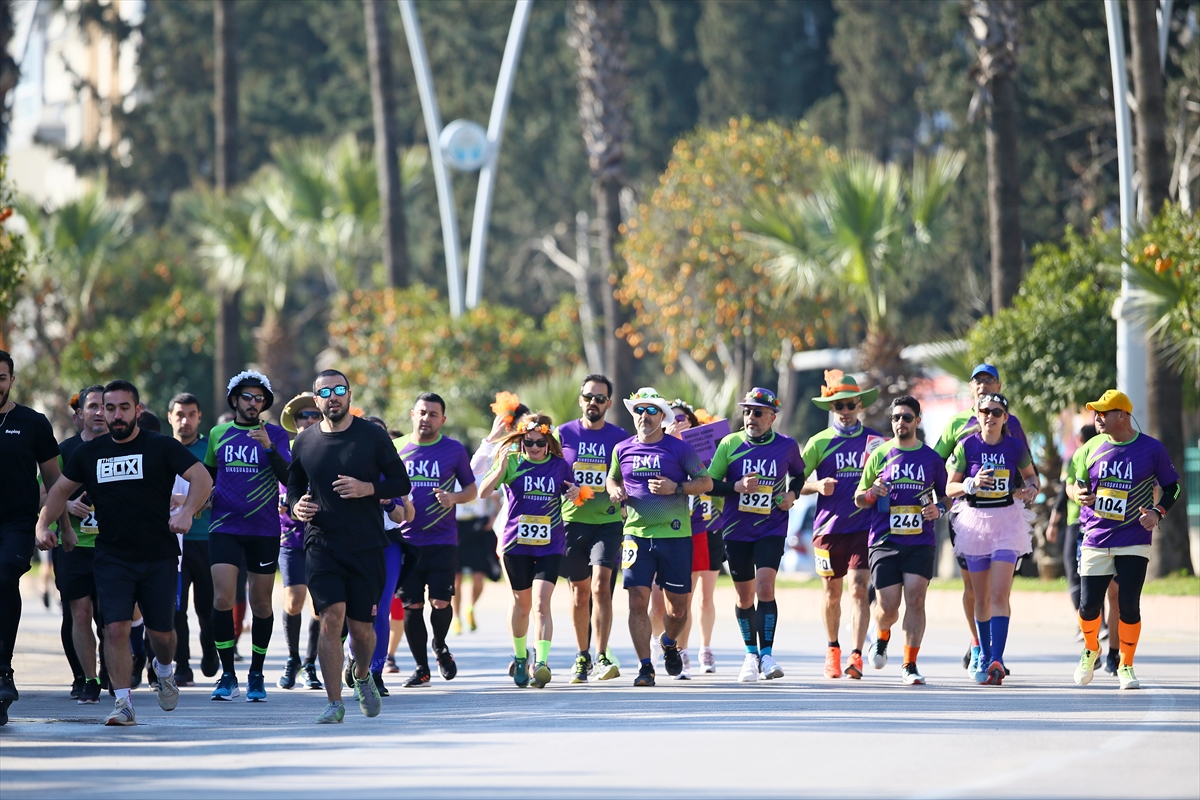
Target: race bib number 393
pixel 1111 503
pixel 590 475
pixel 906 520
pixel 532 530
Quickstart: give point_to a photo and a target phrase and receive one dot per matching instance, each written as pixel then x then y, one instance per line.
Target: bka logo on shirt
pixel 760 466
pixel 242 454
pixel 850 461
pixel 591 449
pixel 910 472
pixel 543 485
pixel 644 463
pixel 119 468
pixel 423 469
pixel 1121 470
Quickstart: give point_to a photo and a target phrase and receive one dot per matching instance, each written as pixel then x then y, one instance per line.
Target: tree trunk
pixel 1170 547
pixel 228 358
pixel 880 358
pixel 1004 192
pixel 387 143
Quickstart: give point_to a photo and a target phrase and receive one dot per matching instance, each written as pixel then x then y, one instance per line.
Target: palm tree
pixel 229 355
pixel 387 142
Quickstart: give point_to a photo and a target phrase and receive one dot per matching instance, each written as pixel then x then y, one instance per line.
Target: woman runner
pixel 994 529
pixel 536 477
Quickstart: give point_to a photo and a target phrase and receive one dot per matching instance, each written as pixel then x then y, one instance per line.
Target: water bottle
pixel 885 503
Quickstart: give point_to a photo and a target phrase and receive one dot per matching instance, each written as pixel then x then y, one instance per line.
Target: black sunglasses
pixel 995 412
pixel 753 412
pixel 340 391
pixel 252 398
pixel 653 411
pixel 531 443
pixel 309 414
pixel 905 417
pixel 598 398
pixel 845 406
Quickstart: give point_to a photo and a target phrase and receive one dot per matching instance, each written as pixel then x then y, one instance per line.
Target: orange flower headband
pixel 505 405
pixel 533 426
pixel 833 383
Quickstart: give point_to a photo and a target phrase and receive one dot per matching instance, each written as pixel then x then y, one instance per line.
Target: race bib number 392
pixel 755 503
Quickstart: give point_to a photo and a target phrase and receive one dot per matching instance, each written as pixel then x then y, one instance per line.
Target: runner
pixel 994 530
pixel 248 460
pixel 299 413
pixel 651 473
pixel 52 565
pixel 334 487
pixel 536 479
pixel 27 446
pixel 903 480
pixel 593 545
pixel 128 474
pixel 434 463
pixel 1114 482
pixel 833 461
pixel 752 467
pixel 183 412
pixel 476 554
pixel 985 379
pixel 76 580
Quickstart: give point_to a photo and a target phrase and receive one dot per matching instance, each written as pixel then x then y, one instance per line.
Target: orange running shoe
pixel 854 668
pixel 833 662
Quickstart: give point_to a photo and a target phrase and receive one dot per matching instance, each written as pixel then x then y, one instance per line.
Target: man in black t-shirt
pixel 334 487
pixel 26 445
pixel 128 474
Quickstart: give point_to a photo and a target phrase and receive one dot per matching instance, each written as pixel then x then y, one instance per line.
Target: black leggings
pixel 1131 574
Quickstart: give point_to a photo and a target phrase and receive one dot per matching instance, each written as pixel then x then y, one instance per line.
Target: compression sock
pixel 291 629
pixel 439 620
pixel 520 649
pixel 260 637
pixel 985 641
pixel 666 641
pixel 910 654
pixel 137 639
pixel 543 651
pixel 999 638
pixel 417 635
pixel 745 621
pixel 239 620
pixel 1130 633
pixel 68 642
pixel 765 616
pixel 645 662
pixel 10 620
pixel 1091 633
pixel 314 636
pixel 836 644
pixel 884 634
pixel 222 631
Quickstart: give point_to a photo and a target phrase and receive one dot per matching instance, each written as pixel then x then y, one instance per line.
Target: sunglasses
pixel 652 411
pixel 753 412
pixel 309 414
pixel 905 417
pixel 1103 414
pixel 982 379
pixel 845 406
pixel 601 399
pixel 532 443
pixel 681 417
pixel 995 412
pixel 340 391
pixel 252 398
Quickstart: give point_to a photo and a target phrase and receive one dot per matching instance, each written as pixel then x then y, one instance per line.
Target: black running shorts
pixel 153 585
pixel 590 545
pixel 436 566
pixel 73 572
pixel 524 570
pixel 746 558
pixel 355 579
pixel 891 562
pixel 260 553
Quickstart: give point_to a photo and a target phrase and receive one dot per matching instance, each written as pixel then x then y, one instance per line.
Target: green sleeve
pixel 946 444
pixel 614 468
pixel 1026 460
pixel 811 455
pixel 958 459
pixel 720 460
pixel 1078 470
pixel 873 466
pixel 210 455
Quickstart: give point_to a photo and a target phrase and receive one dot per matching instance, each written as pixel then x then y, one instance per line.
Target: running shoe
pixel 976 665
pixel 3 713
pixel 333 713
pixel 90 694
pixel 168 692
pixel 879 654
pixel 685 674
pixel 908 672
pixel 645 676
pixel 995 674
pixel 1112 663
pixel 420 677
pixel 1087 667
pixel 605 668
pixel 854 668
pixel 256 689
pixel 456 626
pixel 290 670
pixel 77 687
pixel 769 669
pixel 471 619
pixel 579 673
pixel 672 660
pixel 227 687
pixel 520 672
pixel 707 660
pixel 1127 678
pixel 446 665
pixel 184 677
pixel 311 680
pixel 368 696
pixel 980 672
pixel 8 689
pixel 139 666
pixel 348 675
pixel 833 662
pixel 612 656
pixel 541 675
pixel 749 673
pixel 512 667
pixel 122 713
pixel 972 652
pixel 209 664
pixel 390 666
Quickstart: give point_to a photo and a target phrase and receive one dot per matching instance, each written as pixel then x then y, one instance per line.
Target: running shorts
pixel 524 570
pixel 73 573
pixel 355 579
pixel 891 562
pixel 435 567
pixel 1102 560
pixel 292 566
pixel 153 585
pixel 746 558
pixel 260 553
pixel 18 543
pixel 716 551
pixel 477 548
pixel 591 545
pixel 837 554
pixel 666 562
pixel 700 551
pixel 962 562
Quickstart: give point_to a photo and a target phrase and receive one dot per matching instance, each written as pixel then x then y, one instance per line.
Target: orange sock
pixel 1130 633
pixel 910 654
pixel 884 635
pixel 1091 633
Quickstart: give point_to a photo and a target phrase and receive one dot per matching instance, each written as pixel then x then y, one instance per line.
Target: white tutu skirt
pixel 983 531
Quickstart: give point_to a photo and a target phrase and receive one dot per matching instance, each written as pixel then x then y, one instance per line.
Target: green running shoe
pixel 333 713
pixel 541 675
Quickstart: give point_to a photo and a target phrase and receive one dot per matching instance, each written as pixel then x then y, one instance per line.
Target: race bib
pixel 1001 483
pixel 1110 503
pixel 89 524
pixel 906 520
pixel 628 553
pixel 755 503
pixel 533 530
pixel 592 476
pixel 706 507
pixel 822 563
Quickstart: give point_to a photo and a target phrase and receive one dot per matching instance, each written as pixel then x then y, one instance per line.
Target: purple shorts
pixel 984 563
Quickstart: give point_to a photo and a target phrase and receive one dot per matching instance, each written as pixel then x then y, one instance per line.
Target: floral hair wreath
pixel 531 426
pixel 640 395
pixel 677 403
pixel 759 396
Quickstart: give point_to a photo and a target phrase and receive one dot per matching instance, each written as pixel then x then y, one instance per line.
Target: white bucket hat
pixel 649 396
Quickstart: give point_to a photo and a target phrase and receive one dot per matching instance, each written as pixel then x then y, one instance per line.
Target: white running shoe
pixel 168 692
pixel 708 660
pixel 910 675
pixel 749 673
pixel 122 713
pixel 1127 678
pixel 770 670
pixel 686 673
pixel 1087 666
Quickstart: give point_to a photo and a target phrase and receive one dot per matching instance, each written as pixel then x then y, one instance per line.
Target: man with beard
pixel 334 486
pixel 129 474
pixel 248 460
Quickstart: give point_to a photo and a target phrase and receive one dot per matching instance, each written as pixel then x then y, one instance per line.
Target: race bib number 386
pixel 590 475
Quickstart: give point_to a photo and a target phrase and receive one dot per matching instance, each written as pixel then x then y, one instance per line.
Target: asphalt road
pixel 803 735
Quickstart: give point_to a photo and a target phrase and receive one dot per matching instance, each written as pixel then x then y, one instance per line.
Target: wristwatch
pixel 679 488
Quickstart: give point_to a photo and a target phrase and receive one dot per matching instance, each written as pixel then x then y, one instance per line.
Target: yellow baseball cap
pixel 1112 400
